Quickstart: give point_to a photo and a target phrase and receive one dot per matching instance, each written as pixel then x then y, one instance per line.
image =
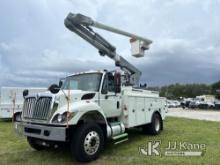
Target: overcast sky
pixel 36 48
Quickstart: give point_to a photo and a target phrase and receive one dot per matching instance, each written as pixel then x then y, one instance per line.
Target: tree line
pixel 177 90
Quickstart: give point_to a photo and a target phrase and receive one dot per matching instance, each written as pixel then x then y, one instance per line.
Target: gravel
pixel 209 115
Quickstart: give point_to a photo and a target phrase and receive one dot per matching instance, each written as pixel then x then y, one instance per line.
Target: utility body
pixel 88 108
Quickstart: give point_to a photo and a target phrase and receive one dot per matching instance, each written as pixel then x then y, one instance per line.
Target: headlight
pixel 62 118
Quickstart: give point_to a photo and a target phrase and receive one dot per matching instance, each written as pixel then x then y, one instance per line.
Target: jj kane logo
pixel 173 148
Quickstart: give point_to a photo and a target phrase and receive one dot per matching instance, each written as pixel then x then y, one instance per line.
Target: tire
pixel 155 127
pixel 87 142
pixel 33 143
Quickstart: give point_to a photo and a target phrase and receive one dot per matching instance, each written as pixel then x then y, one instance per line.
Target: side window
pixel 108 84
pixel 111 86
pixel 105 85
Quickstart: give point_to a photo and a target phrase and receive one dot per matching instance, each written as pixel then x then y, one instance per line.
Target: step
pixel 124 135
pixel 121 141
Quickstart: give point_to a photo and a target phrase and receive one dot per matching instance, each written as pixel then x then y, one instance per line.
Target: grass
pixel 15 150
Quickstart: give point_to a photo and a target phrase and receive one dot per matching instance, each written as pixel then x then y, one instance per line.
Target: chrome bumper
pixel 41 132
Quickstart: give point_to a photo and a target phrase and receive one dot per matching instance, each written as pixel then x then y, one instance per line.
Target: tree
pixel 176 91
pixel 216 89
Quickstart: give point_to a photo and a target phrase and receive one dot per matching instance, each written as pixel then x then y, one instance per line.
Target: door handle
pixel 118 104
pixel 107 96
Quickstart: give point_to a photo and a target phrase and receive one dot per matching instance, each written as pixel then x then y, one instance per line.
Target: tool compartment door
pixel 136 111
pixel 149 109
pixel 131 111
pixel 140 110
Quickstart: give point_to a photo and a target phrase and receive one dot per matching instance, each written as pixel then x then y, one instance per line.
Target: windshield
pixel 85 82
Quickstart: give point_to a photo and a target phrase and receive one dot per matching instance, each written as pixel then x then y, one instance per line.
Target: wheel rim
pixel 91 143
pixel 157 124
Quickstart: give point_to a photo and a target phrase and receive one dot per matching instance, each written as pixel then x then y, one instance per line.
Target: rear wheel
pixel 87 142
pixel 34 144
pixel 155 126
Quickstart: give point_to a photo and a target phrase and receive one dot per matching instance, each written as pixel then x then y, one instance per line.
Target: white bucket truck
pixel 88 108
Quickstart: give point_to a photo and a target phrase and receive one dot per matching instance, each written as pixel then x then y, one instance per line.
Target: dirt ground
pixel 210 115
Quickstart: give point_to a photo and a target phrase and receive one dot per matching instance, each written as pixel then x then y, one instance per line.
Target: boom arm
pixel 80 25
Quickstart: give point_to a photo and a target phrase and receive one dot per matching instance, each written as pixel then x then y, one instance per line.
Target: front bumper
pixel 51 133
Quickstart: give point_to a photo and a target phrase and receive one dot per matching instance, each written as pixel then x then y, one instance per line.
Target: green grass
pixel 15 150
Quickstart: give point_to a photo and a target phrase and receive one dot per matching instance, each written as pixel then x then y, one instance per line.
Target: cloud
pixel 4 46
pixel 183 62
pixel 36 48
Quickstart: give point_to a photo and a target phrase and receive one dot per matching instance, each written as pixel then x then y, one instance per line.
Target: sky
pixel 36 49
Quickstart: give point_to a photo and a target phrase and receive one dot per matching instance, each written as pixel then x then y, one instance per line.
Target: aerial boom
pixel 81 25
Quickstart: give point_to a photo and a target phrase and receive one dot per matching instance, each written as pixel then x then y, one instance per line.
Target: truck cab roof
pixel 87 72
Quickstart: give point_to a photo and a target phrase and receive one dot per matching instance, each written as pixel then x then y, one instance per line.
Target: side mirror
pixel 60 84
pixel 117 82
pixel 25 93
pixel 54 88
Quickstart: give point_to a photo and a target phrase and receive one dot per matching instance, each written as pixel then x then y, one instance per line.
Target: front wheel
pixel 87 142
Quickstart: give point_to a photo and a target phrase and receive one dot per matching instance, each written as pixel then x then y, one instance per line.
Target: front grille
pixel 37 108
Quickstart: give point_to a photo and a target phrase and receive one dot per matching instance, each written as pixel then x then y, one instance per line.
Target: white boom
pixel 81 25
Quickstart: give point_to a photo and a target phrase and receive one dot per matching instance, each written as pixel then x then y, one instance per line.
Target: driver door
pixel 110 102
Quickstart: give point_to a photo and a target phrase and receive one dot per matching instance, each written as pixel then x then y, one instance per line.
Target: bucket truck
pixel 88 109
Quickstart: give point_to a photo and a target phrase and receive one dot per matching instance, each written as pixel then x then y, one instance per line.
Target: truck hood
pixel 61 97
pixel 60 100
pixel 75 95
